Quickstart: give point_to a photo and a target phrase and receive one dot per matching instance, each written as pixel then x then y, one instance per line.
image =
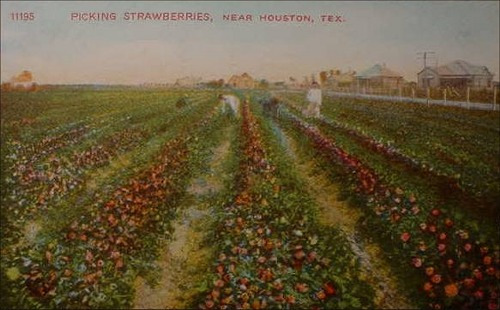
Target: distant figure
pixel 233 102
pixel 314 101
pixel 271 106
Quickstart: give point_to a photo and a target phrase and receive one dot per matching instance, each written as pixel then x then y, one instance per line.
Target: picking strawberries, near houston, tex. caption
pixel 202 17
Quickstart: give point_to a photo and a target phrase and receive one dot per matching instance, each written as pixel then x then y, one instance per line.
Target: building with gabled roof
pixel 241 81
pixel 458 73
pixel 379 76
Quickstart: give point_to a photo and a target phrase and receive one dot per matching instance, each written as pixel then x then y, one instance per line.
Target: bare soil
pixel 188 256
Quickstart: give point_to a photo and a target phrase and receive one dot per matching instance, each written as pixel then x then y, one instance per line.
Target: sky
pixel 60 51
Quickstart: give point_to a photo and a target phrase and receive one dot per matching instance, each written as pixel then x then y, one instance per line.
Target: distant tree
pixel 323 77
pixel 6 86
pixel 215 83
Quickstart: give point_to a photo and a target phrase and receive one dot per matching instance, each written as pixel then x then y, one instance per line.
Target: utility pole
pixel 468 96
pixel 425 55
pixel 494 97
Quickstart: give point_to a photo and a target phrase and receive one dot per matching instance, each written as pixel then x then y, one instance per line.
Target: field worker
pixel 275 104
pixel 233 103
pixel 314 99
pixel 279 110
pixel 270 106
pixel 222 102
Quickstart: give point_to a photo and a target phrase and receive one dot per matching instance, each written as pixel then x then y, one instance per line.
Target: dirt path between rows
pixel 187 257
pixel 333 212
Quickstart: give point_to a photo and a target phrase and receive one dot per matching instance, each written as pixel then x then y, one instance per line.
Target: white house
pixel 458 74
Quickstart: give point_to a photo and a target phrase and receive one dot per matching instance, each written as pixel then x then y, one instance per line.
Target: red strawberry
pixel 435 212
pixel 329 288
pixel 405 237
pixel 301 287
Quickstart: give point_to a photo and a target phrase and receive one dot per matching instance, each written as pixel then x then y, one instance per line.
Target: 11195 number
pixel 22 16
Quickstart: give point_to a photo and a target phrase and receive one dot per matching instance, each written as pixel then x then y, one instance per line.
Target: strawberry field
pixel 372 205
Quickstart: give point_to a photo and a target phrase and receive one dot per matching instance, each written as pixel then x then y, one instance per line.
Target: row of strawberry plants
pixel 468 154
pixel 100 182
pixel 447 186
pixel 465 155
pixel 21 154
pixel 15 164
pixel 42 173
pixel 33 174
pixel 449 117
pixel 271 252
pixel 469 209
pixel 31 117
pixel 447 189
pixel 456 269
pixel 27 147
pixel 35 185
pixel 33 188
pixel 93 261
pixel 66 202
pixel 91 154
pixel 25 154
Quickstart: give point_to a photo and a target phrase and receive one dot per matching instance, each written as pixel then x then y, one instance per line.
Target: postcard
pixel 250 154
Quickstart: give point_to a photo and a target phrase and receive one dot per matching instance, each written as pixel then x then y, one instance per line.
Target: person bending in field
pixel 271 106
pixel 314 98
pixel 231 104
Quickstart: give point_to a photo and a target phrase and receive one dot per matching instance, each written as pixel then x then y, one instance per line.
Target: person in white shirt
pixel 232 102
pixel 314 98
